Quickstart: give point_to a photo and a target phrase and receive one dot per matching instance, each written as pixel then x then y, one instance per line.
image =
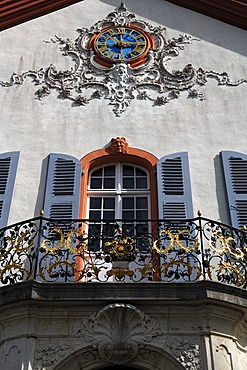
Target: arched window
pixel 119 182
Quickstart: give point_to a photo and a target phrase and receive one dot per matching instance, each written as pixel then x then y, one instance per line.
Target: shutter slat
pixel 238 169
pixel 5 164
pixel 61 210
pixel 174 211
pixel 174 189
pixel 8 167
pixel 1 208
pixel 62 187
pixel 235 174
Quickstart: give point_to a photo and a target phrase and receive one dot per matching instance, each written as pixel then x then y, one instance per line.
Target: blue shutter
pixel 235 172
pixel 62 187
pixel 174 188
pixel 8 167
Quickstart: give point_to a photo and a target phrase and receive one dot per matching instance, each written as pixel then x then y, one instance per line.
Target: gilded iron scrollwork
pixel 120 84
pixel 18 252
pixel 122 251
pixel 226 256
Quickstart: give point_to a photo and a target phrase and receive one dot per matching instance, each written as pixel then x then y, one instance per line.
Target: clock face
pixel 117 44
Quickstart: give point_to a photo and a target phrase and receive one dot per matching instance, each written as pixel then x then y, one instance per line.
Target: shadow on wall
pixel 182 20
pixel 41 191
pixel 221 191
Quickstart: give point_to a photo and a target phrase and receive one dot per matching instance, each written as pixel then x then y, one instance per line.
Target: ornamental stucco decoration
pixel 121 84
pixel 50 352
pixel 187 352
pixel 118 331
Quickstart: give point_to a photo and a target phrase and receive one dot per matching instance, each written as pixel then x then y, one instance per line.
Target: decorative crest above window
pixel 118 145
pixel 122 58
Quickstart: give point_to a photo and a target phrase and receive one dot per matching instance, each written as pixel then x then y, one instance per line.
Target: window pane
pixel 128 183
pixel 95 203
pixel 128 170
pixel 108 215
pixel 141 203
pixel 94 215
pixel 128 215
pixel 142 215
pixel 140 172
pixel 97 173
pixel 109 203
pixel 96 183
pixel 141 183
pixel 109 183
pixel 128 203
pixel 109 171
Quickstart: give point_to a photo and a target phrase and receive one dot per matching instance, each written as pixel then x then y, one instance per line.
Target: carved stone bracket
pixel 118 331
pixel 121 84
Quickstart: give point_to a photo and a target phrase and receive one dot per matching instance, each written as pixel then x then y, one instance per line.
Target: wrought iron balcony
pixel 85 251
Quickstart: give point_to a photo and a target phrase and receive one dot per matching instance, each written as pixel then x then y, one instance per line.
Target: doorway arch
pixel 148 358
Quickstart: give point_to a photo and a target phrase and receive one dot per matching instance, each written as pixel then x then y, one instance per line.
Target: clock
pixel 120 44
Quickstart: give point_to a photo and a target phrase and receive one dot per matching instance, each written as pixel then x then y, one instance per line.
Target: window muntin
pixel 103 178
pixel 134 178
pixel 118 191
pixel 101 208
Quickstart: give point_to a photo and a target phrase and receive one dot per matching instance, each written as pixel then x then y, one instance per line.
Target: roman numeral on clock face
pixel 103 48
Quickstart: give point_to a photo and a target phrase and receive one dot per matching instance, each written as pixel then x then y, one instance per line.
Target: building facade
pixel 123 190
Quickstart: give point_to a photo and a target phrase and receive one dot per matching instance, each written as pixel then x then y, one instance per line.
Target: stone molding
pixel 219 293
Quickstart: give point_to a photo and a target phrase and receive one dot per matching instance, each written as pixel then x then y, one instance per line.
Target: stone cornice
pixel 177 293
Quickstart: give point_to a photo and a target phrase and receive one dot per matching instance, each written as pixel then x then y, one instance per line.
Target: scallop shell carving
pixel 118 331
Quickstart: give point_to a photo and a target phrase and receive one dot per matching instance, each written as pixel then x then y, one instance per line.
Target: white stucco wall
pixel 203 128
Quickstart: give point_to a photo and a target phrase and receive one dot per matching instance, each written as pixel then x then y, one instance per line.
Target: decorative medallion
pixel 122 58
pixel 118 331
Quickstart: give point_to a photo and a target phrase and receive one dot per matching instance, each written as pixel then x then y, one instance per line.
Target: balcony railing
pixel 83 251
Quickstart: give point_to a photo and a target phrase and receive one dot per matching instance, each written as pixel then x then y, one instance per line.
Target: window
pixel 118 191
